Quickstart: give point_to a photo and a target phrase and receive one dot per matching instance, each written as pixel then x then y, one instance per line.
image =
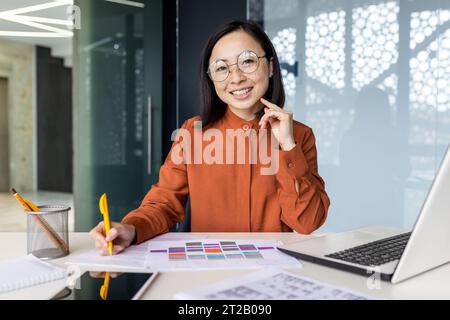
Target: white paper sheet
pixel 270 284
pixel 133 257
pixel 210 254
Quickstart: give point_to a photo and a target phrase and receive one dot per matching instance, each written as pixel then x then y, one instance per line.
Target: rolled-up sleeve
pixel 164 205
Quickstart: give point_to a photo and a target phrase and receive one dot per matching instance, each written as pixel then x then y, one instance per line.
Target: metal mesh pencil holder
pixel 48 232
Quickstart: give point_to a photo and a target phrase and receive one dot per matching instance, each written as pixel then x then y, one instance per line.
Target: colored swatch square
pixel 234 256
pixel 211 247
pixel 230 249
pixel 194 250
pixel 196 257
pixel 225 243
pixel 177 257
pixel 229 246
pixel 253 255
pixel 245 247
pixel 216 256
pixel 190 244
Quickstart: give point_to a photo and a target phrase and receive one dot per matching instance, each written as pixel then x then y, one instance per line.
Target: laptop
pixel 393 254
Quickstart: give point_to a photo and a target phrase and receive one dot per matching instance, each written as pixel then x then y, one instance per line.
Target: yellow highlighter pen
pixel 103 205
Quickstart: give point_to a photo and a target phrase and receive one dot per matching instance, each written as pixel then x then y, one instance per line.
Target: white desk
pixel 430 285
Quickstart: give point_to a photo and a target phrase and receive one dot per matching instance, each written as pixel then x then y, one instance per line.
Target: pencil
pixel 42 223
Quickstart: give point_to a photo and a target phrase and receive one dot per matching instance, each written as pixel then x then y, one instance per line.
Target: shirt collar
pixel 234 121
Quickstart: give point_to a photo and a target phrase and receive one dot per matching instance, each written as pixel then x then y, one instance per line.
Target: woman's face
pixel 241 90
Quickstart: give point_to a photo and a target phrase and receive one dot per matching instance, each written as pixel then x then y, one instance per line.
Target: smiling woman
pixel 247 42
pixel 241 91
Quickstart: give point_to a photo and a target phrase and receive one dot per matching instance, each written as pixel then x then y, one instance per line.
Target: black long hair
pixel 212 107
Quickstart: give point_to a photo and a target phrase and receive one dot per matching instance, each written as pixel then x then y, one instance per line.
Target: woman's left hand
pixel 281 122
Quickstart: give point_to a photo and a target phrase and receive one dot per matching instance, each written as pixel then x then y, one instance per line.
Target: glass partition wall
pixel 116 112
pixel 372 80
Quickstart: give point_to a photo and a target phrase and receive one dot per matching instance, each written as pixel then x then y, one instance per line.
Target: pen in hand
pixel 103 205
pixel 121 234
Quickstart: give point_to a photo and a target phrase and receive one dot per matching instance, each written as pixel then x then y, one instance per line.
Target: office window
pixel 371 78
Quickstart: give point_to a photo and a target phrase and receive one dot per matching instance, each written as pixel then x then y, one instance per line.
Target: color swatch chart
pixel 211 253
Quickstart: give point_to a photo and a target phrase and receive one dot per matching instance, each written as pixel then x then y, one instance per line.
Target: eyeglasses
pixel 247 62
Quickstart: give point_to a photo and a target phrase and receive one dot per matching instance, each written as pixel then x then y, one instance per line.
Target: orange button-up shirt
pixel 235 196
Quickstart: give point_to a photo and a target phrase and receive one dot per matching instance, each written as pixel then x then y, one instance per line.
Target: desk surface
pixel 430 285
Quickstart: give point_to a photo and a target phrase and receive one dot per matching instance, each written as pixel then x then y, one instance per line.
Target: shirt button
pixel 290 165
pixel 245 127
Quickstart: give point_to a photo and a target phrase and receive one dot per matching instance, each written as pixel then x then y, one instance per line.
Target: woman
pixel 242 94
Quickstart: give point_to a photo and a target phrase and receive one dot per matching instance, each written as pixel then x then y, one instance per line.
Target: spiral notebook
pixel 27 271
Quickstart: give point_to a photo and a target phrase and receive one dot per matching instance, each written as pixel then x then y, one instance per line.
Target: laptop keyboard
pixel 374 253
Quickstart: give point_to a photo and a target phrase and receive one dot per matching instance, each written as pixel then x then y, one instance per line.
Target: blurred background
pixel 91 91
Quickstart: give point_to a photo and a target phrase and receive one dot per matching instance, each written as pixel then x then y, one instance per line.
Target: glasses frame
pixel 237 63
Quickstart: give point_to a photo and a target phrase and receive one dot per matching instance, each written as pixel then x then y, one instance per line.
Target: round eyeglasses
pixel 247 62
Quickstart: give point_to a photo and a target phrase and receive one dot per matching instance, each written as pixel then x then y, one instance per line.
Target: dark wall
pixel 169 74
pixel 198 19
pixel 54 122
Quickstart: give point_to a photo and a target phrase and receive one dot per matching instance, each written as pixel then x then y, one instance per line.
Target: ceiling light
pixel 39 7
pixel 15 15
pixel 31 34
pixel 24 21
pixel 48 20
pixel 128 3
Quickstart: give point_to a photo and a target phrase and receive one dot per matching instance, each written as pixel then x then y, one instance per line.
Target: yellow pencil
pixel 103 205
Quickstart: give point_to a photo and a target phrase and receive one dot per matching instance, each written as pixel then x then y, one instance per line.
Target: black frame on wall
pixel 183 43
pixel 54 122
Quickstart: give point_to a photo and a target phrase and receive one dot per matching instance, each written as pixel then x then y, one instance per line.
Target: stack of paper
pixel 271 284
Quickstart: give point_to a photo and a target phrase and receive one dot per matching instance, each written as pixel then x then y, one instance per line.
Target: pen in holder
pixel 47 232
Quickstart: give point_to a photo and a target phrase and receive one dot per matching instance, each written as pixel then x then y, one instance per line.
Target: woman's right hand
pixel 122 235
